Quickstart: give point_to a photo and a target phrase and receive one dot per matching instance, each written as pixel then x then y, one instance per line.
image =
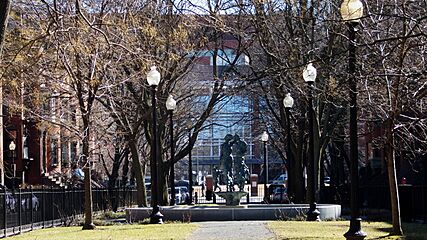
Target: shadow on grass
pixel 387 229
pixel 389 237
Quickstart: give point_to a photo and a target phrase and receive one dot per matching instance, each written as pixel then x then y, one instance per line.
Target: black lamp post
pixel 288 102
pixel 309 74
pixel 12 147
pixel 190 166
pixel 153 79
pixel 351 12
pixel 264 139
pixel 170 106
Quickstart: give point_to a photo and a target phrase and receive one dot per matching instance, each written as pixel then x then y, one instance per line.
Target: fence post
pixel 104 199
pixel 20 209
pixel 5 212
pixel 31 207
pixel 53 203
pixel 95 200
pixel 124 196
pixel 43 206
pixel 63 208
pixel 72 202
pixel 248 196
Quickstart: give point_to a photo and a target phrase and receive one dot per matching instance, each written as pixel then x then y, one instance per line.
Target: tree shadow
pixel 387 231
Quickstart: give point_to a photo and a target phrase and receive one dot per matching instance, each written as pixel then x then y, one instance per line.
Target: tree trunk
pixel 299 188
pixel 4 15
pixel 299 183
pixel 391 169
pixel 163 176
pixel 88 223
pixel 141 194
pixel 112 180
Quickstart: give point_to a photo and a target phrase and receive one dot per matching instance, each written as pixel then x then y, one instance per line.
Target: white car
pixel 11 202
pixel 181 195
pixel 34 201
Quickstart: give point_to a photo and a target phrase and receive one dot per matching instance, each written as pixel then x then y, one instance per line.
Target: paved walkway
pixel 235 230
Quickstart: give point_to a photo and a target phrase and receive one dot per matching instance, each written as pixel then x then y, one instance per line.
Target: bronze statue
pixel 232 163
pixel 226 162
pixel 216 178
pixel 241 170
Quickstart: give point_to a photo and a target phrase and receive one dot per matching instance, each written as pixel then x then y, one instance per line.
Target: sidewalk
pixel 234 230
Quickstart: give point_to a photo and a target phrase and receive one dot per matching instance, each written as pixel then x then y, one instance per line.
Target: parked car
pixel 183 183
pixel 327 181
pixel 181 195
pixel 281 179
pixel 147 180
pixel 278 193
pixel 11 202
pixel 26 204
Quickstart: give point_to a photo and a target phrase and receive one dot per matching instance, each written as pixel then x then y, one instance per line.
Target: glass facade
pixel 233 116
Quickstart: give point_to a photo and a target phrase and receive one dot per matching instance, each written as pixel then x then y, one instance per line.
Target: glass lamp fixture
pixel 264 136
pixel 153 77
pixel 288 101
pixel 170 103
pixel 351 10
pixel 12 146
pixel 309 73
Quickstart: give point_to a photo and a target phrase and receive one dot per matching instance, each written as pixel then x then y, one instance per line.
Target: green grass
pixel 116 232
pixel 326 230
pixel 112 215
pixel 336 229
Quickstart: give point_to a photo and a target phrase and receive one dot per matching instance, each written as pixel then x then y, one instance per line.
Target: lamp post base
pixel 89 226
pixel 313 214
pixel 156 217
pixel 355 232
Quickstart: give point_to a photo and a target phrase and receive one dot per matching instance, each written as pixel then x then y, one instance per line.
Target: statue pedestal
pixel 231 198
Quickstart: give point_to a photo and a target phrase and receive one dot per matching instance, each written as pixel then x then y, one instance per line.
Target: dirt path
pixel 235 230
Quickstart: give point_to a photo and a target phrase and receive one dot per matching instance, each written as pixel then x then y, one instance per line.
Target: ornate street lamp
pixel 351 12
pixel 12 147
pixel 309 74
pixel 153 79
pixel 264 139
pixel 170 106
pixel 288 102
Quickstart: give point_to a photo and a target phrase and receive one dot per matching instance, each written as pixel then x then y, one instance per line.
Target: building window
pixel 25 149
pixel 64 153
pixel 73 152
pixel 54 151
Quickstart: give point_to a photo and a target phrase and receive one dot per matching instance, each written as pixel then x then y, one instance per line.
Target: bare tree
pixel 4 15
pixel 392 80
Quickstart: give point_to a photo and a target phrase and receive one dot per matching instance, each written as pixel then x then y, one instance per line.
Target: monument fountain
pixel 233 169
pixel 234 172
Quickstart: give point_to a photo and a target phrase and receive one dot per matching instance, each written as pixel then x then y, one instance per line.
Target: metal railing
pixel 252 197
pixel 26 209
pixel 413 200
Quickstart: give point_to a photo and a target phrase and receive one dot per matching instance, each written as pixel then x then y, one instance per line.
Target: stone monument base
pixel 231 198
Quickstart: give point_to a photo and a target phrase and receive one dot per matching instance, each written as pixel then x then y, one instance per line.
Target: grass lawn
pixel 336 229
pixel 128 232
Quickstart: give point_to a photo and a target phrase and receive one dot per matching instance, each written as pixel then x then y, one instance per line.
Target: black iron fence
pixel 25 209
pixel 413 200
